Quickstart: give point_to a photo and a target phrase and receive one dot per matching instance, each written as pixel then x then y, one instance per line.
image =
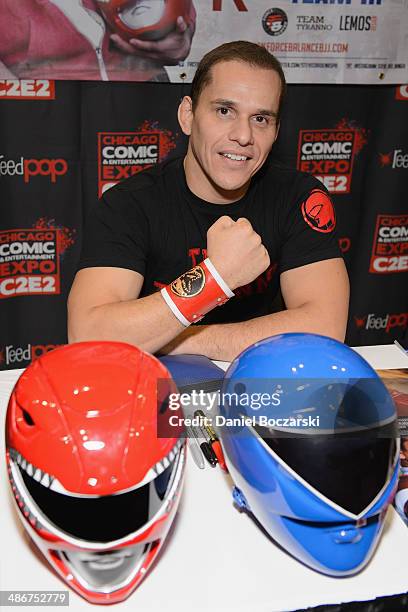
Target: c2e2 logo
pixel 27 89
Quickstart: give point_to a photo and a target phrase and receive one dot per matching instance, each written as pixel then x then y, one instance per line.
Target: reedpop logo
pixel 378 322
pixel 10 355
pixel 33 167
pixel 395 159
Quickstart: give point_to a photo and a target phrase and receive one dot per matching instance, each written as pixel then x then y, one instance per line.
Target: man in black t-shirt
pixel 259 225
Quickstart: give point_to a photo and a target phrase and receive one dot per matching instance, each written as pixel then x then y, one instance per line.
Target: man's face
pixel 232 130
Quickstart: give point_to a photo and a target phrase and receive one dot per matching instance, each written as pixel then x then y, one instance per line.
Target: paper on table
pixel 383 357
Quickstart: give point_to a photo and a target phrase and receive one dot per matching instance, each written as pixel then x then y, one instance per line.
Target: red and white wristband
pixel 196 292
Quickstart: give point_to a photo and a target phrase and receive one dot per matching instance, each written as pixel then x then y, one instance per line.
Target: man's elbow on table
pixel 80 323
pixel 93 294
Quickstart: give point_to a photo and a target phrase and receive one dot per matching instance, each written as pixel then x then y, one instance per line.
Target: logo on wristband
pixel 190 283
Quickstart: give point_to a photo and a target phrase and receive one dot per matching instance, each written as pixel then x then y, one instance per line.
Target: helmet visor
pixel 349 469
pixel 142 13
pixel 106 518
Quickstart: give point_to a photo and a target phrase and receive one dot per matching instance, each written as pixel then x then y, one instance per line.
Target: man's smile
pixel 235 156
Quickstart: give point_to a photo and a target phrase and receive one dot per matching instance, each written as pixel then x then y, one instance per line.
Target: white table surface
pixel 217 559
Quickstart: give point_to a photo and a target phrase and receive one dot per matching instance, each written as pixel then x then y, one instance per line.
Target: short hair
pixel 241 51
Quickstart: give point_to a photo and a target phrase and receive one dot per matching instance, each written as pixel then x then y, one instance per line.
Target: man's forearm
pixel 145 322
pixel 104 301
pixel 226 341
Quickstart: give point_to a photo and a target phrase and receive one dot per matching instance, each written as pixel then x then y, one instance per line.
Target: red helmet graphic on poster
pixel 329 153
pixel 148 20
pixel 123 154
pixel 30 258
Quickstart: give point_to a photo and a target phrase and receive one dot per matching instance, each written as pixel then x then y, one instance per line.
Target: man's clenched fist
pixel 236 251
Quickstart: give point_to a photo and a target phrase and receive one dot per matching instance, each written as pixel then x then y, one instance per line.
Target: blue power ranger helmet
pixel 310 438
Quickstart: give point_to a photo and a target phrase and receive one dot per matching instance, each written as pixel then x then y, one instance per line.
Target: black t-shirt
pixel 153 224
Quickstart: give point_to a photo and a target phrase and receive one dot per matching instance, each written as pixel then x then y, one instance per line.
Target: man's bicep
pixel 105 285
pixel 323 287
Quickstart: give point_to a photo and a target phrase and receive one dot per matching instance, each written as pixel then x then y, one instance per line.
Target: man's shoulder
pixel 286 177
pixel 156 177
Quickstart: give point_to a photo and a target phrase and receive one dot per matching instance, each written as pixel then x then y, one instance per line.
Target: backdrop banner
pixel 317 41
pixel 68 142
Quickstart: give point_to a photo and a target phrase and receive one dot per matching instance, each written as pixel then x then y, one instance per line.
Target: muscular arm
pixel 316 297
pixel 103 305
pixel 104 302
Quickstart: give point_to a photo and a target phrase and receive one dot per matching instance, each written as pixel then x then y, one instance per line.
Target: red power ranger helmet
pixel 145 19
pixel 96 488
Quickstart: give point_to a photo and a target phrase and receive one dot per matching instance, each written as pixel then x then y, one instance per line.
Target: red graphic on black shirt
pixel 197 255
pixel 318 212
pixel 257 286
pixel 344 244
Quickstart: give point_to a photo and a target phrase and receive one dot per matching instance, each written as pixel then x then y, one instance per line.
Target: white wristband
pixel 179 315
pixel 220 281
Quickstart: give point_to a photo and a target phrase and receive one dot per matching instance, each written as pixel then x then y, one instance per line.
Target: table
pixel 216 559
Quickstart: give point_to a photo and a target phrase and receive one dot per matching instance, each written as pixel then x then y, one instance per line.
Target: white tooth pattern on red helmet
pixel 99 512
